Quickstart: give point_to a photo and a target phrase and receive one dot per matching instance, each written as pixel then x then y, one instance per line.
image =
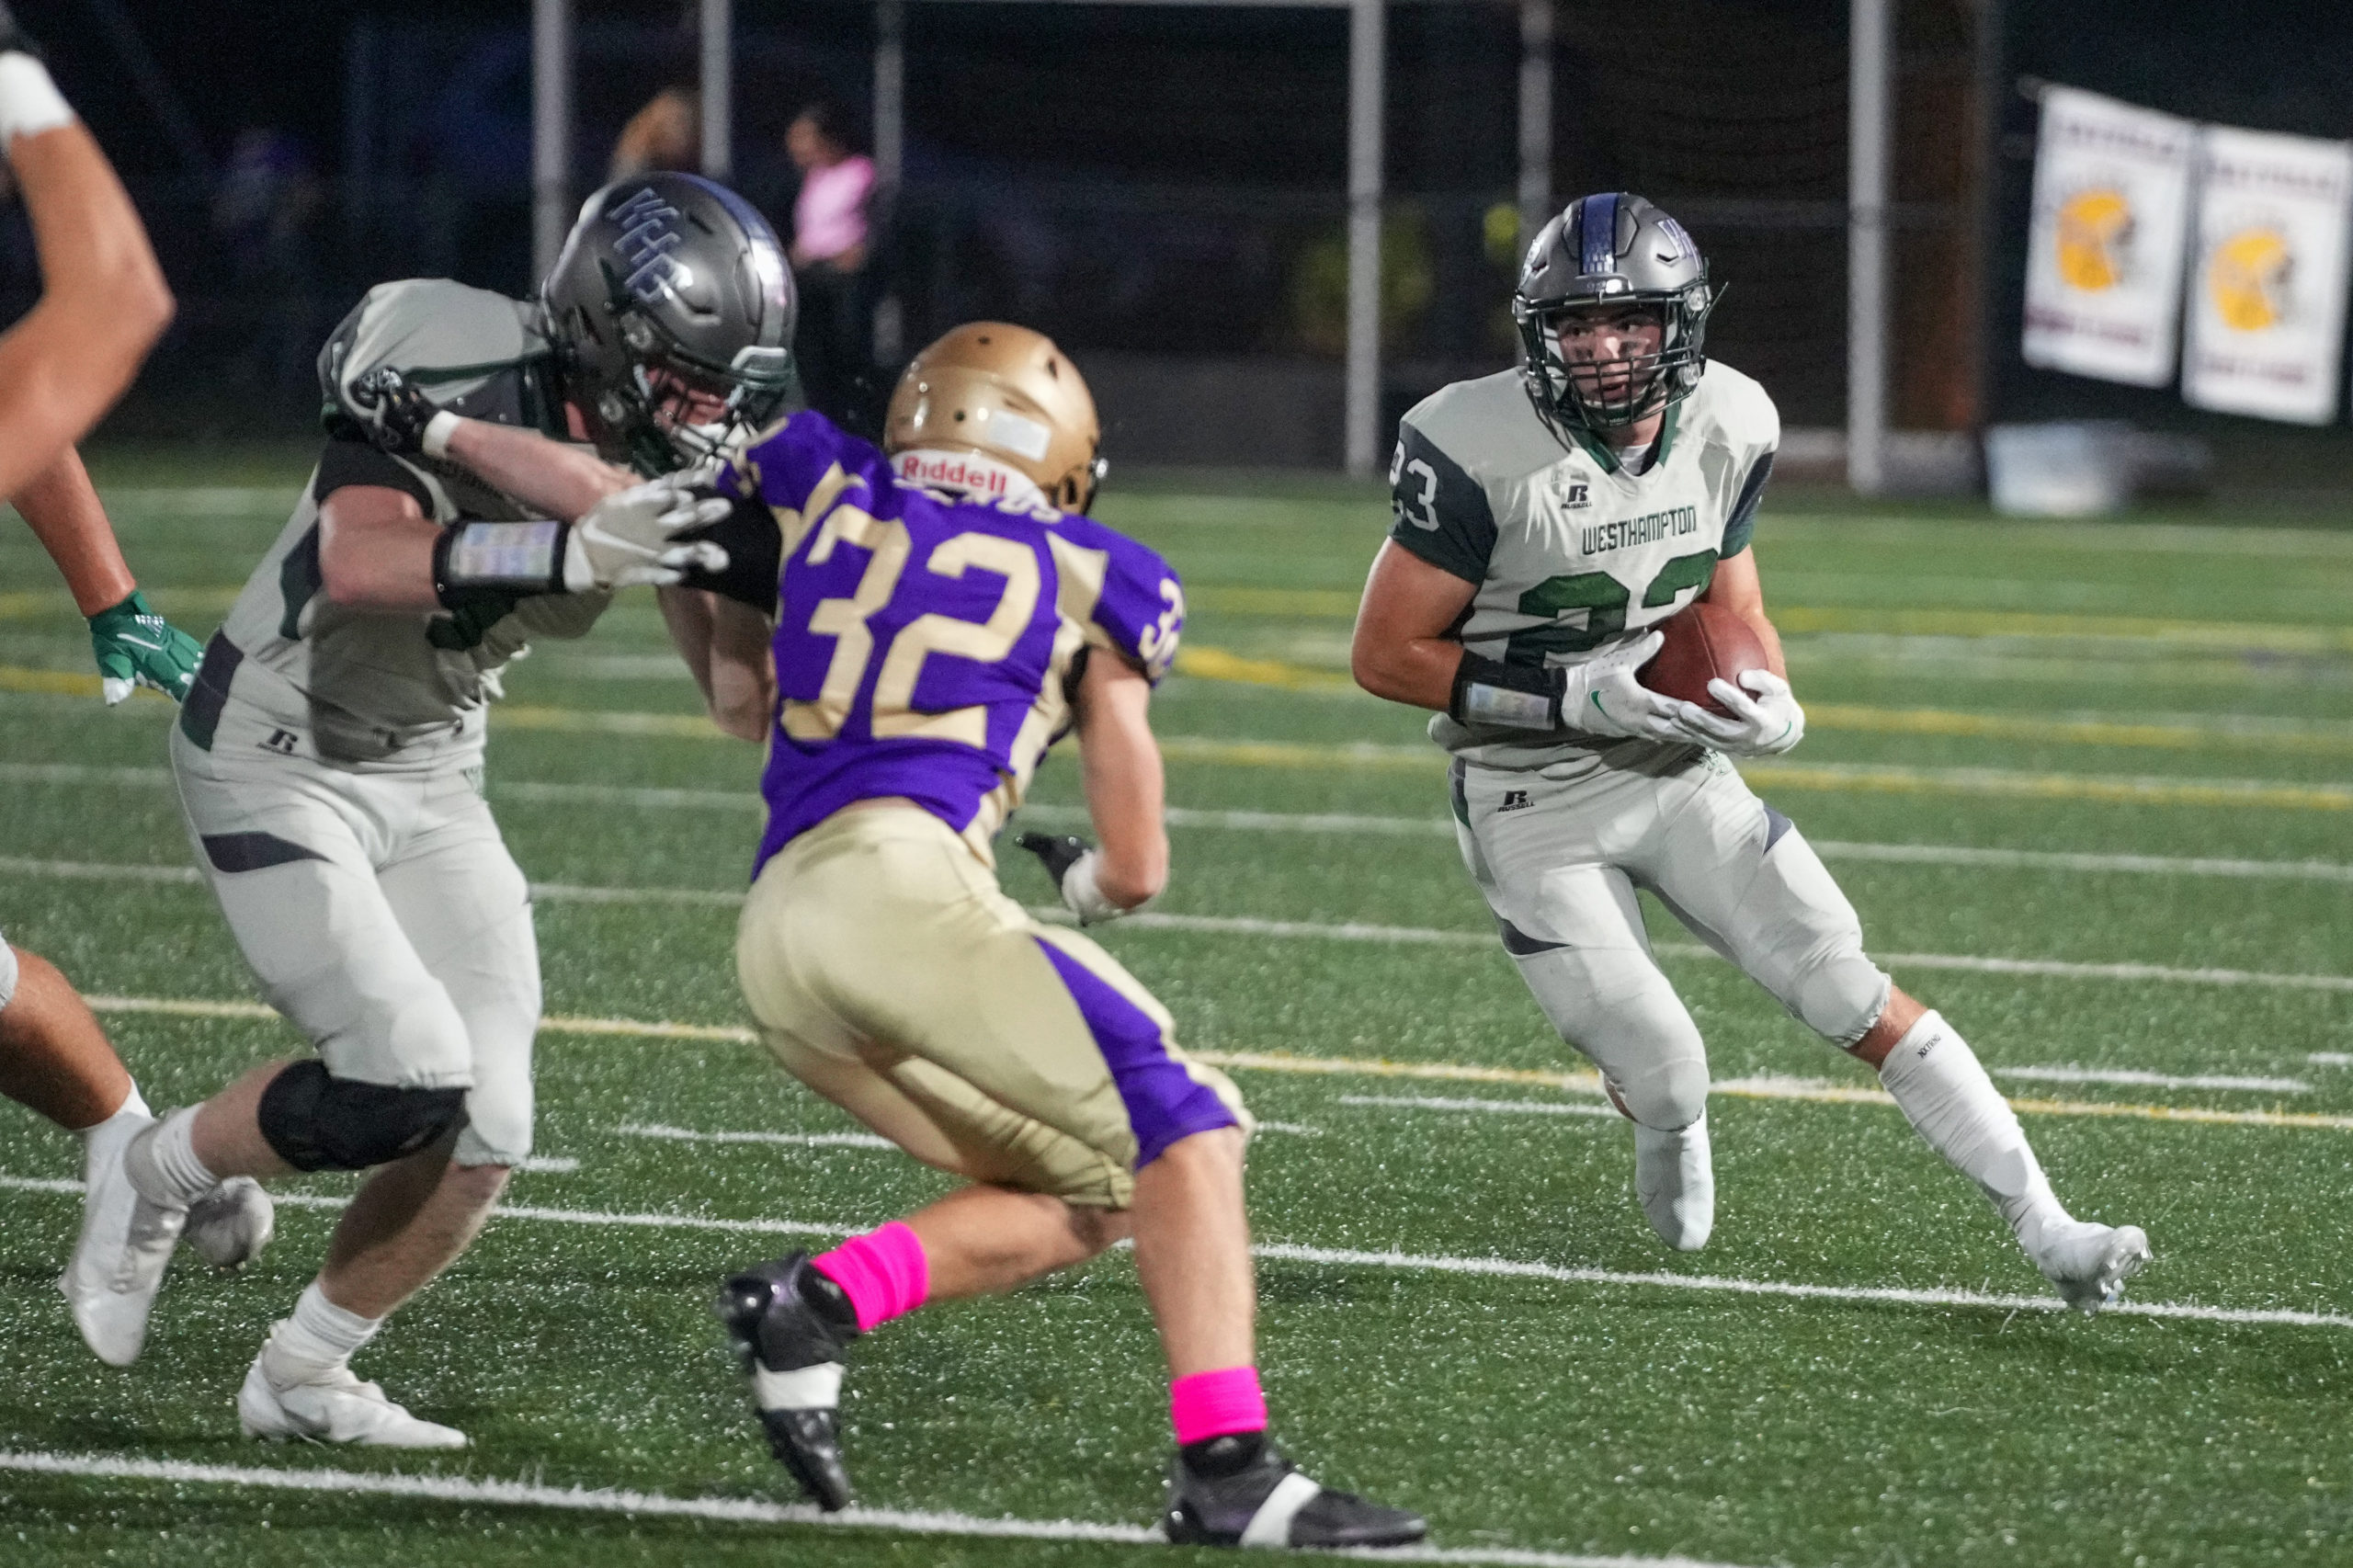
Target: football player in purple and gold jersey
pixel 943 613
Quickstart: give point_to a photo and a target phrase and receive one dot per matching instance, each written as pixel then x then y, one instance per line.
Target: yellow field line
pixel 1848 779
pixel 2060 731
pixel 1340 604
pixel 168 602
pixel 2270 636
pixel 1797 1089
pixel 1218 665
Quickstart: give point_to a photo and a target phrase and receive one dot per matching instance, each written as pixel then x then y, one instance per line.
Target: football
pixel 1704 643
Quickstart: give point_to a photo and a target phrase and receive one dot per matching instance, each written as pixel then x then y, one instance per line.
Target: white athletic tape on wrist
pixel 1485 704
pixel 1270 1525
pixel 435 443
pixel 504 553
pixel 29 101
pixel 803 1388
pixel 1084 894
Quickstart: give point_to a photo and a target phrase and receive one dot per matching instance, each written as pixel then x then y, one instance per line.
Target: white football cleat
pixel 126 1245
pixel 1675 1179
pixel 230 1225
pixel 2088 1263
pixel 335 1407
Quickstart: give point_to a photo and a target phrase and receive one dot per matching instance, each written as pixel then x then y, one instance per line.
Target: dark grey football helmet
pixel 1611 249
pixel 672 312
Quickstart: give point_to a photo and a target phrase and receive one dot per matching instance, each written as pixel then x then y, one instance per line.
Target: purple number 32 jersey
pixel 923 642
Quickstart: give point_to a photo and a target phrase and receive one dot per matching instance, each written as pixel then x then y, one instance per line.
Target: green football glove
pixel 137 647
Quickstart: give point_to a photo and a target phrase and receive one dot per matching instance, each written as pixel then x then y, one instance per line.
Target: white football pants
pixel 380 913
pixel 1559 860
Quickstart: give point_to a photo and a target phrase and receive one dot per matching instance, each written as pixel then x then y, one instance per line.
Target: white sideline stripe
pixel 1436 1102
pixel 1418 1262
pixel 548 1164
pixel 2330 1059
pixel 518 1211
pixel 2152 1080
pixel 749 801
pixel 1507 1268
pixel 799 1140
pixel 729 1510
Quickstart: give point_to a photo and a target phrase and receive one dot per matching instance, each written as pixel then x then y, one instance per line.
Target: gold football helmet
pixel 1006 394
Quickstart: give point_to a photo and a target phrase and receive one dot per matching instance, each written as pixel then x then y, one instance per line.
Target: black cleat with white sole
pixel 1237 1491
pixel 794 1326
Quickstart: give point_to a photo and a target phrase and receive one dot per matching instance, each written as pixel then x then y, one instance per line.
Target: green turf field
pixel 2089 785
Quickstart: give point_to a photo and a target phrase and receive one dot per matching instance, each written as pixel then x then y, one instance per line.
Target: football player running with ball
pixel 1546 519
pixel 944 613
pixel 103 304
pixel 329 760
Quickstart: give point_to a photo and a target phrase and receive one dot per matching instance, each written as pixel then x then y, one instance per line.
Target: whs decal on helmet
pixel 672 312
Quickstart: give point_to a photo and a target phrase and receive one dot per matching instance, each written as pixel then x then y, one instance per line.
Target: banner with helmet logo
pixel 2111 221
pixel 2265 317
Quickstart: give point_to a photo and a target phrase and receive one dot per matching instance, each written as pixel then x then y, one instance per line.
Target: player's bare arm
pixel 103 302
pixel 133 646
pixel 1402 651
pixel 1737 588
pixel 1119 763
pixel 63 511
pixel 726 646
pixel 376 550
pixel 547 476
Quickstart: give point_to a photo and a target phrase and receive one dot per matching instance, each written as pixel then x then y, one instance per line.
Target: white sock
pixel 133 1109
pixel 1943 1091
pixel 169 1172
pixel 319 1338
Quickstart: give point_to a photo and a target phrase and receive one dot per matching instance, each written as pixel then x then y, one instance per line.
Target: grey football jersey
pixel 366 684
pixel 1572 553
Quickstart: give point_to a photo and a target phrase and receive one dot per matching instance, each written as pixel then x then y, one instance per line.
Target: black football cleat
pixel 1237 1491
pixel 794 1326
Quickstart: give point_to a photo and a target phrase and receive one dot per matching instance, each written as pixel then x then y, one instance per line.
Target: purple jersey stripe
pixel 1163 1102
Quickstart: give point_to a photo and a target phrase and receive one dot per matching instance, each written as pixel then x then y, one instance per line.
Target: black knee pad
pixel 320 1122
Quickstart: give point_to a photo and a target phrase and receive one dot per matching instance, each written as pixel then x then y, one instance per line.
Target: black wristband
pixel 1512 696
pixel 471 559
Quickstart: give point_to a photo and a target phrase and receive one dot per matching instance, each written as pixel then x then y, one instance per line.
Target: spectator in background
pixel 831 248
pixel 263 210
pixel 665 134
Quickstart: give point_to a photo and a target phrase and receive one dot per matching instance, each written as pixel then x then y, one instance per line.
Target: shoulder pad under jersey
pixel 472 351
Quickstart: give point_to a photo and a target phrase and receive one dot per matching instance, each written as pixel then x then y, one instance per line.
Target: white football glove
pixel 1602 697
pixel 630 539
pixel 1766 724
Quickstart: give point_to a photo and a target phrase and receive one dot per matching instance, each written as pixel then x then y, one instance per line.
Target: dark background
pixel 1161 188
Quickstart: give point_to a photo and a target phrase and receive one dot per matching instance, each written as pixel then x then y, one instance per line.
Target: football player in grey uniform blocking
pixel 1546 518
pixel 329 760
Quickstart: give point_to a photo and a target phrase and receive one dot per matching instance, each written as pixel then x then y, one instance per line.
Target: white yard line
pixel 795 1140
pixel 1805 1090
pixel 1418 1262
pixel 2153 1080
pixel 1504 1107
pixel 479 1492
pixel 658 798
pixel 2330 1058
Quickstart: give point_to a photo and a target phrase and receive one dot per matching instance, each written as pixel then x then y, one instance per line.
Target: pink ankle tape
pixel 884 1273
pixel 1212 1404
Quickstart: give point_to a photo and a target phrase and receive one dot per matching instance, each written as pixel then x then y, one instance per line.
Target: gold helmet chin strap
pixel 973 474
